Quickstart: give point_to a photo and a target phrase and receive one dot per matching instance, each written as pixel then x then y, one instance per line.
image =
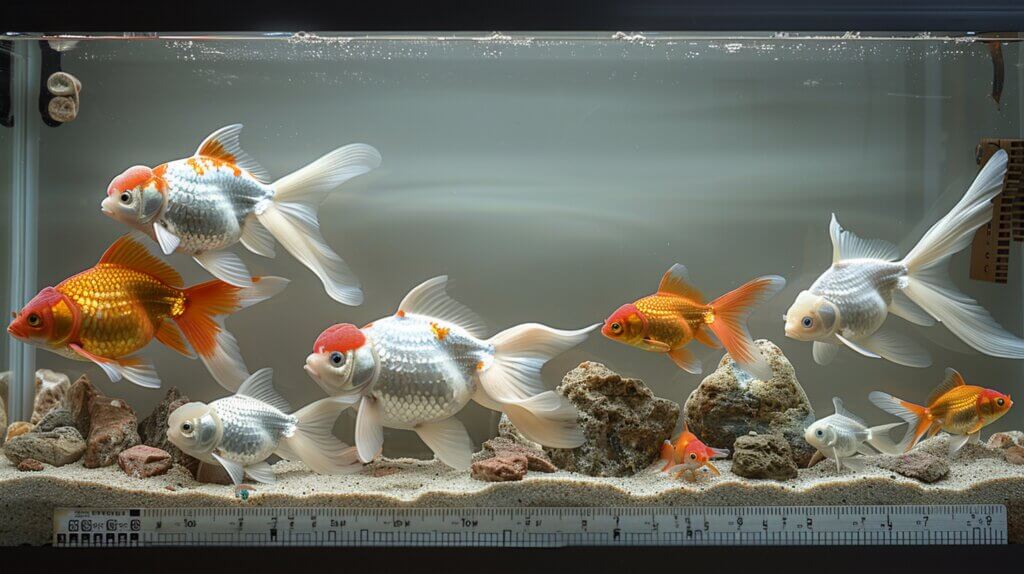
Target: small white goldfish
pixel 844 435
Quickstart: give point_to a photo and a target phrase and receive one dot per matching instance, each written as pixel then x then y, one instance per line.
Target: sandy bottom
pixel 27 499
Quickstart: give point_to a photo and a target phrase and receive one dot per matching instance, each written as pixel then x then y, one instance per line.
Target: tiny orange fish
pixel 108 312
pixel 677 314
pixel 954 406
pixel 689 454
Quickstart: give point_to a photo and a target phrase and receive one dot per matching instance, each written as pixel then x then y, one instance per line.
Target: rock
pixel 58 447
pixel 51 393
pixel 729 403
pixel 763 456
pixel 5 383
pixel 153 430
pixel 509 431
pixel 18 428
pixel 537 460
pixel 624 424
pixel 1006 439
pixel 112 429
pixel 143 461
pixel 30 465
pixel 1015 455
pixel 55 419
pixel 917 464
pixel 212 474
pixel 500 469
pixel 79 398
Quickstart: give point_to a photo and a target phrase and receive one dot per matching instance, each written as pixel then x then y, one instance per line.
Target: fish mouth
pixel 311 372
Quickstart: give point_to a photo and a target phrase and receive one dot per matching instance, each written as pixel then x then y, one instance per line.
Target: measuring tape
pixel 533 527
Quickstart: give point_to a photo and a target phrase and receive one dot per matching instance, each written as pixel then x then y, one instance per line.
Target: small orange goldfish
pixel 689 454
pixel 954 406
pixel 668 320
pixel 108 312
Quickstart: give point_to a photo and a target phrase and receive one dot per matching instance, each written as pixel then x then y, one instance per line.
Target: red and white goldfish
pixel 689 454
pixel 107 313
pixel 954 406
pixel 204 204
pixel 677 314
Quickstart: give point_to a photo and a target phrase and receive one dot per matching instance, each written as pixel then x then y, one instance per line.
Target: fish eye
pixel 126 197
pixel 819 432
pixel 616 327
pixel 807 322
pixel 337 359
pixel 693 456
pixel 186 427
pixel 1000 402
pixel 34 320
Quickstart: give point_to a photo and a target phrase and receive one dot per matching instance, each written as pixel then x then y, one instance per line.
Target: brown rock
pixel 1015 455
pixel 58 447
pixel 536 459
pixel 763 456
pixel 51 393
pixel 143 461
pixel 917 464
pixel 18 428
pixel 1006 439
pixel 500 468
pixel 112 429
pixel 79 397
pixel 153 430
pixel 30 465
pixel 212 474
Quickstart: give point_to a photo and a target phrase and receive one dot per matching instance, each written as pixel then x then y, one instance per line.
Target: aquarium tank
pixel 490 271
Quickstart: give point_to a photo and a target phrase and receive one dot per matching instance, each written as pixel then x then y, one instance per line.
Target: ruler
pixel 533 527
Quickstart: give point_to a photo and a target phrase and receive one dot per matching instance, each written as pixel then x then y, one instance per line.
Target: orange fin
pixel 128 252
pixel 712 468
pixel 685 360
pixel 170 335
pixel 703 336
pixel 729 322
pixel 134 368
pixel 953 380
pixel 656 346
pixel 224 145
pixel 668 454
pixel 676 281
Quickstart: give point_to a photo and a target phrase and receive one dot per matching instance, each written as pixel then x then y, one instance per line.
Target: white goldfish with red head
pixel 204 204
pixel 419 367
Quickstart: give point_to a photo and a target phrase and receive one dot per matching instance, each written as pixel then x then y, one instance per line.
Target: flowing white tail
pixel 314 442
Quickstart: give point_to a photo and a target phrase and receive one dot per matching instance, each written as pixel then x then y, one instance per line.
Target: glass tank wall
pixel 552 178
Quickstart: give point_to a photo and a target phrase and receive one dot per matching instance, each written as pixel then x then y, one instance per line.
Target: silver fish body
pixel 208 203
pixel 428 369
pixel 862 290
pixel 251 429
pixel 841 437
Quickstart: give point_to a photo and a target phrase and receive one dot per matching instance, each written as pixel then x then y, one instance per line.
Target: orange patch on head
pixel 439 331
pixel 343 337
pixel 131 178
pixel 400 313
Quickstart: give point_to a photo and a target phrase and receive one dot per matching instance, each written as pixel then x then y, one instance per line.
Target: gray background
pixel 553 181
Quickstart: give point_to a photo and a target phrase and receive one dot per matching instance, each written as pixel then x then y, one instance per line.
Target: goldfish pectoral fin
pixel 858 347
pixel 839 461
pixel 656 346
pixel 824 353
pixel 847 245
pixel 897 348
pixel 256 237
pixel 226 266
pixel 224 145
pixel 449 441
pixel 854 463
pixel 369 430
pixel 865 449
pixel 235 470
pixel 168 241
pixel 815 458
pixel 712 468
pixel 261 472
pixel 685 360
pixel 957 442
pixel 975 437
pixel 676 281
pixel 170 334
pixel 133 368
pixel 703 336
pixel 719 452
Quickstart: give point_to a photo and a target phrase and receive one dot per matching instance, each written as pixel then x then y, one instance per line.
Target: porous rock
pixel 763 456
pixel 1006 439
pixel 507 430
pixel 918 465
pixel 153 430
pixel 51 393
pixel 18 428
pixel 500 468
pixel 79 397
pixel 112 429
pixel 623 423
pixel 537 460
pixel 143 461
pixel 30 465
pixel 58 447
pixel 55 419
pixel 730 403
pixel 1014 454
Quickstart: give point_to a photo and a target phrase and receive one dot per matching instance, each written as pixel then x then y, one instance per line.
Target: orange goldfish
pixel 108 312
pixel 954 406
pixel 668 320
pixel 689 454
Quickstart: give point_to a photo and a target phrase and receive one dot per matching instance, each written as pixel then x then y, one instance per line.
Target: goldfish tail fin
pixel 202 324
pixel 928 282
pixel 915 416
pixel 731 312
pixel 879 438
pixel 314 443
pixel 291 216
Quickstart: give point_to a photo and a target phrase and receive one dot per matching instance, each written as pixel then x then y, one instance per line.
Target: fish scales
pixel 862 289
pixel 664 314
pixel 251 429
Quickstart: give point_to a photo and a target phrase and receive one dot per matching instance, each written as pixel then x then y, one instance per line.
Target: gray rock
pixel 763 456
pixel 729 403
pixel 623 422
pixel 55 419
pixel 58 447
pixel 79 397
pixel 112 429
pixel 51 393
pixel 917 464
pixel 153 430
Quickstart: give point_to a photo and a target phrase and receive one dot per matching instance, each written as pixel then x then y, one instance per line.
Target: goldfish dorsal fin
pixel 260 386
pixel 224 145
pixel 676 281
pixel 129 252
pixel 841 411
pixel 430 299
pixel 846 245
pixel 953 380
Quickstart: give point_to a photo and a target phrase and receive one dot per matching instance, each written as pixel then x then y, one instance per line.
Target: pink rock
pixel 1015 455
pixel 500 468
pixel 143 461
pixel 30 465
